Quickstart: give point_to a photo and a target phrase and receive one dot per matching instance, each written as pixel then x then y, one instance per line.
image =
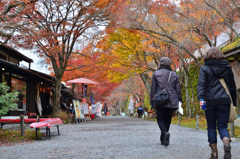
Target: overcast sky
pixel 36 65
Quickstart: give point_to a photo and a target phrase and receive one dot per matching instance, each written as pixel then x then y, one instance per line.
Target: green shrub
pixel 7 99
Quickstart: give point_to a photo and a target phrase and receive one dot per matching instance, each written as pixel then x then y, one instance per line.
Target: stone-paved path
pixel 115 137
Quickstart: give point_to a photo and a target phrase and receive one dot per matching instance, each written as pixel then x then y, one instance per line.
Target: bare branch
pixel 225 19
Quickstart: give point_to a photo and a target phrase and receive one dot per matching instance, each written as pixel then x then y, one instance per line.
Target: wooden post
pixel 73 85
pixel 179 119
pixel 68 117
pixel 22 125
pixel 197 121
pixel 38 118
pixel 232 129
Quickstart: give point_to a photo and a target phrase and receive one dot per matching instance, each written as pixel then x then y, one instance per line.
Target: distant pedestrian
pixel 211 91
pixel 140 112
pixel 164 77
pixel 105 108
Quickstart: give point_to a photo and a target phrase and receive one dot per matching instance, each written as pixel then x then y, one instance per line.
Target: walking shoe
pixel 161 140
pixel 227 148
pixel 214 154
pixel 166 139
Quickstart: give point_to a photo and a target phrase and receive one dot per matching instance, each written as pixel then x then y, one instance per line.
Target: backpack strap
pixel 170 72
pixel 169 77
pixel 225 87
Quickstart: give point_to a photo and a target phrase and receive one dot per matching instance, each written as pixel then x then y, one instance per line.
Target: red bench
pixel 17 121
pixel 35 123
pixel 48 123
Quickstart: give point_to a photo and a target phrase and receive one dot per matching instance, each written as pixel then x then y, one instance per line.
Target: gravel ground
pixel 117 138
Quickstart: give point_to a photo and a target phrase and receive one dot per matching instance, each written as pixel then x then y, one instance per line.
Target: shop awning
pixel 26 73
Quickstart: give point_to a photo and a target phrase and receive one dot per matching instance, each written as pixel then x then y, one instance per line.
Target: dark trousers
pixel 164 117
pixel 140 113
pixel 217 118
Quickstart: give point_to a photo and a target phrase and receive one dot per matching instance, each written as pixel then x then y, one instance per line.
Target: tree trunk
pixel 192 97
pixel 193 100
pixel 56 97
pixel 147 81
pixel 188 107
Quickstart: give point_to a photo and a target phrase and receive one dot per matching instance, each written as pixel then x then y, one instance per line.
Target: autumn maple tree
pixel 126 55
pixel 12 18
pixel 57 29
pixel 134 87
pixel 91 70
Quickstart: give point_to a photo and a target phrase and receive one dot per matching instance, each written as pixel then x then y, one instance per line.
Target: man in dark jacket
pixel 140 112
pixel 164 77
pixel 217 101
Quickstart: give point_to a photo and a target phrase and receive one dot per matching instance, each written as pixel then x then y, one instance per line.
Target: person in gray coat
pixel 164 113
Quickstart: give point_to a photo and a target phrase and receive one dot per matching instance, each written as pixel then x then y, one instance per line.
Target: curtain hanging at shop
pixel 39 105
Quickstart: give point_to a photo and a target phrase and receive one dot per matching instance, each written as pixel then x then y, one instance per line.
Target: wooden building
pixel 35 87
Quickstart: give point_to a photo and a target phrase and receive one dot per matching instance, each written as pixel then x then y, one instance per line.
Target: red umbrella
pixel 81 80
